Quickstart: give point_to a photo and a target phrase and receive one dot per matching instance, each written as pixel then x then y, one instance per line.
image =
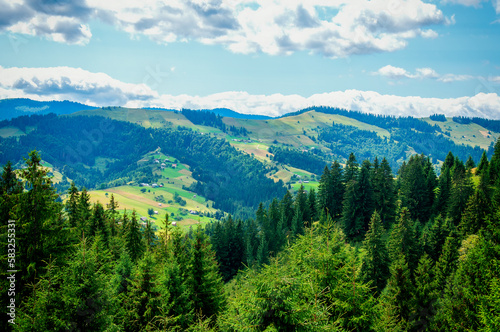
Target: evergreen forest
pixel 366 251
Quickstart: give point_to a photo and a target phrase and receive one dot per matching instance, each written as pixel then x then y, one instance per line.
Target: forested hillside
pixel 365 252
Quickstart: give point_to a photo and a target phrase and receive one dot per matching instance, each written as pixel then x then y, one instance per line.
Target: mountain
pixel 12 108
pixel 229 157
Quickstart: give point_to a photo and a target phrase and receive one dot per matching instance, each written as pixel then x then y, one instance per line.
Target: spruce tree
pixel 351 169
pixel 384 192
pixel 112 210
pixel 494 166
pixel 470 164
pixel 204 282
pixel 72 205
pixel 375 266
pixel 483 165
pixel 84 212
pixel 133 239
pixel 403 241
pixel 425 295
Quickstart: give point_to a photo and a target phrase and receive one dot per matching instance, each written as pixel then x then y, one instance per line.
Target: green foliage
pixel 375 266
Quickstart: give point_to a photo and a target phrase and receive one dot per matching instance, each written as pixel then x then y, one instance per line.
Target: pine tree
pixel 398 302
pixel 384 192
pixel 133 239
pixel 358 203
pixel 143 300
pixel 403 241
pixel 311 201
pixel 40 229
pixel 98 224
pixel 337 190
pixel 414 188
pixel 112 209
pixel 425 295
pixel 375 266
pixel 494 166
pixel 461 190
pixel 286 207
pixel 84 213
pixel 351 169
pixel 483 165
pixel 204 282
pixel 72 205
pixel 470 164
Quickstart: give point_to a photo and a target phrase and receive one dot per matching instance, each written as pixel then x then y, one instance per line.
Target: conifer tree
pixel 375 266
pixel 358 203
pixel 351 169
pixel 286 207
pixel 494 166
pixel 398 302
pixel 84 212
pixel 40 230
pixel 112 208
pixel 133 239
pixel 483 165
pixel 311 201
pixel 143 299
pixel 403 241
pixel 98 224
pixel 204 282
pixel 72 205
pixel 384 194
pixel 425 295
pixel 470 164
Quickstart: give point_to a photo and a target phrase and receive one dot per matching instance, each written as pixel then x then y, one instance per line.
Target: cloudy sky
pixel 269 57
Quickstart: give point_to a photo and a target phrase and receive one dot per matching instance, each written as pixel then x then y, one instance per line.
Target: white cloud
pixel 393 72
pixel 397 73
pixel 242 26
pixel 65 83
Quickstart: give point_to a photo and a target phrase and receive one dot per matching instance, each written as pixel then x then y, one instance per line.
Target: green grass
pixel 469 134
pixel 307 186
pixel 11 132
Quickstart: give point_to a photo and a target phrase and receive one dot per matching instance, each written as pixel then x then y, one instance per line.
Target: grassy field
pixel 469 134
pixel 131 198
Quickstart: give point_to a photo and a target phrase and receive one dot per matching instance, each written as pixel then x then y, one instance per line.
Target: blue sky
pixel 270 57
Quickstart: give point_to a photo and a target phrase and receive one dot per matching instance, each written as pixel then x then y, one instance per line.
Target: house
pixel 156 212
pixel 144 218
pixel 163 164
pixel 157 161
pixel 159 204
pixel 154 185
pixel 174 165
pixel 144 185
pixel 174 223
pixel 193 212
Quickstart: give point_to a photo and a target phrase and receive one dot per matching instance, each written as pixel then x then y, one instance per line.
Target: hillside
pixel 291 150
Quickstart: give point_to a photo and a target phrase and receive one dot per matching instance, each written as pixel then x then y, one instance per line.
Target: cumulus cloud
pixel 397 73
pixel 66 83
pixel 98 89
pixel 242 26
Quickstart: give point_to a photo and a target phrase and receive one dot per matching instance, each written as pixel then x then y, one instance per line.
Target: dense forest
pixel 365 252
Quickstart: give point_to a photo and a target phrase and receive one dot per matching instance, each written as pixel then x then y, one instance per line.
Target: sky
pixel 267 57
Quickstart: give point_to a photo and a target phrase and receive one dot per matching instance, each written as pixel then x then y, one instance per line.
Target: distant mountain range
pixel 12 108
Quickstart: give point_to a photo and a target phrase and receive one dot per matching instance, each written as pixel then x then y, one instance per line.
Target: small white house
pixel 174 223
pixel 159 204
pixel 144 218
pixel 156 212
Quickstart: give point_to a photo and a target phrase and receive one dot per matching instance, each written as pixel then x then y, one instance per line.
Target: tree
pixel 351 169
pixel 483 165
pixel 151 212
pixel 398 302
pixel 402 242
pixel 384 193
pixel 470 164
pixel 40 228
pixel 112 208
pixel 204 282
pixel 133 238
pixel 425 295
pixel 98 224
pixel 143 300
pixel 72 205
pixel 358 203
pixel 375 264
